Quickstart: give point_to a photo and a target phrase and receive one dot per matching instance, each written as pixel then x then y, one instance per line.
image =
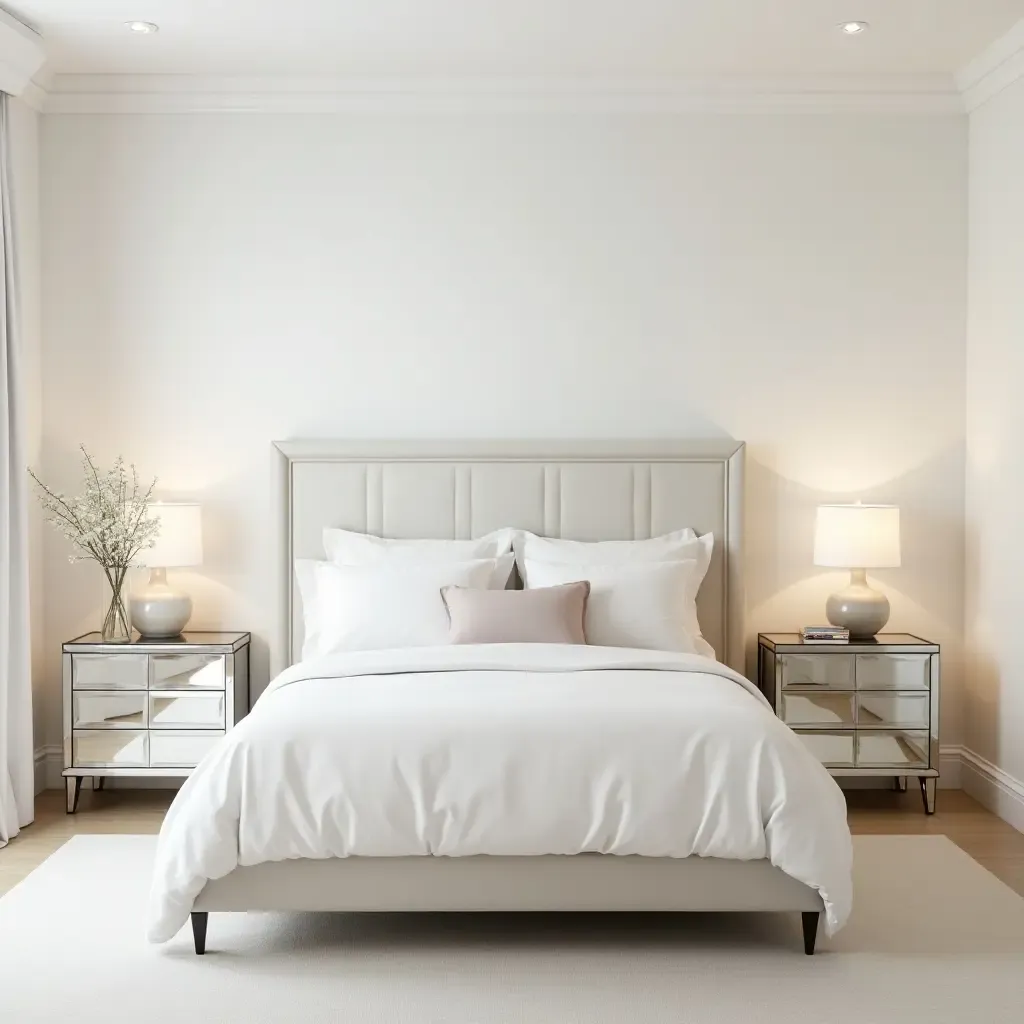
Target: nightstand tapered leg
pixel 899 783
pixel 72 786
pixel 928 790
pixel 98 782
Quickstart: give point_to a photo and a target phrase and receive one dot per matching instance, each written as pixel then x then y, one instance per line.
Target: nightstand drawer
pixel 108 709
pixel 196 709
pixel 893 671
pixel 181 749
pixel 892 749
pixel 109 748
pixel 832 749
pixel 822 709
pixel 884 710
pixel 109 671
pixel 187 671
pixel 818 671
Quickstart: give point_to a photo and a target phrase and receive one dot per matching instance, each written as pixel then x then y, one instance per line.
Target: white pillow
pixel 396 604
pixel 669 547
pixel 344 547
pixel 634 604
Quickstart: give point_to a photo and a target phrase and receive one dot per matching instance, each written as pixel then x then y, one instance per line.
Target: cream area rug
pixel 934 938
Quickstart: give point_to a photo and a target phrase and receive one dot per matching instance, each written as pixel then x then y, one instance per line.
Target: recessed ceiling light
pixel 143 28
pixel 853 28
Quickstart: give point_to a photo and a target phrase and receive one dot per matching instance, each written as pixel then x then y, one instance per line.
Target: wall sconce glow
pixel 142 28
pixel 853 28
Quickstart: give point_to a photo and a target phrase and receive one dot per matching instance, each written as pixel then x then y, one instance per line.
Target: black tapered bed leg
pixel 810 919
pixel 201 917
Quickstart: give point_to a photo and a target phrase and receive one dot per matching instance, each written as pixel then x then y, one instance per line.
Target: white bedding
pixel 517 749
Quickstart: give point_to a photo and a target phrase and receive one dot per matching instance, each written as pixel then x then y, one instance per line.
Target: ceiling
pixel 522 38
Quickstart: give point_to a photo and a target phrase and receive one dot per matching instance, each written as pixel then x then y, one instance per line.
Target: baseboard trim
pixel 49 765
pixel 998 790
pixel 950 765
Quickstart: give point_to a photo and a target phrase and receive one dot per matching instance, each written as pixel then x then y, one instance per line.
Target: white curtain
pixel 17 786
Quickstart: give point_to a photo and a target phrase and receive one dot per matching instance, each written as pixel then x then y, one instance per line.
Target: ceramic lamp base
pixel 158 611
pixel 859 608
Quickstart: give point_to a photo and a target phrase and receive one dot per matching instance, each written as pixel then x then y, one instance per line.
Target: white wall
pixel 995 439
pixel 214 282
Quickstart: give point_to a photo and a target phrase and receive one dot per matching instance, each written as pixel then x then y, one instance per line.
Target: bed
pixel 234 840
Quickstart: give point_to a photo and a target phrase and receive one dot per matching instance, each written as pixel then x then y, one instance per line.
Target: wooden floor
pixel 988 839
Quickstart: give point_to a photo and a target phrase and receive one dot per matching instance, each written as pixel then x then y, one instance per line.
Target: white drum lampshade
pixel 158 611
pixel 858 537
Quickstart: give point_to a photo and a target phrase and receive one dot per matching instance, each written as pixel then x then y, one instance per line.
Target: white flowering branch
pixel 109 521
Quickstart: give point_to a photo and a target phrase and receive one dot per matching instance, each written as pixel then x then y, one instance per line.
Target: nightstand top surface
pixel 883 640
pixel 191 638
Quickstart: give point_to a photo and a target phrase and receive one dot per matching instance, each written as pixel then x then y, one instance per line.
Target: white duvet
pixel 505 749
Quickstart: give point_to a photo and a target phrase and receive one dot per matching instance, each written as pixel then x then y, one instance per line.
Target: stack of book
pixel 825 635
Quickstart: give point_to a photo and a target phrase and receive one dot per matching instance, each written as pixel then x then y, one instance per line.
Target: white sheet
pixel 518 750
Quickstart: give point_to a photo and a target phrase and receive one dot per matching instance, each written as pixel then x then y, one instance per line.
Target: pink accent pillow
pixel 544 615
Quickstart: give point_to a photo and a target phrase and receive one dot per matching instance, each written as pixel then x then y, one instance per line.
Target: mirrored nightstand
pixel 867 707
pixel 149 709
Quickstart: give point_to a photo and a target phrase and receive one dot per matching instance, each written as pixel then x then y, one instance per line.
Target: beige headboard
pixel 584 490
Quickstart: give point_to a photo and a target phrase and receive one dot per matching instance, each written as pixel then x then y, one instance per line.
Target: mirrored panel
pixel 108 709
pixel 897 749
pixel 187 671
pixel 906 710
pixel 832 749
pixel 169 749
pixel 893 671
pixel 196 710
pixel 822 709
pixel 110 748
pixel 836 671
pixel 109 671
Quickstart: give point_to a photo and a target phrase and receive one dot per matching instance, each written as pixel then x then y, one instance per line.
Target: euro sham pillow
pixel 634 604
pixel 669 547
pixel 546 615
pixel 345 547
pixel 390 605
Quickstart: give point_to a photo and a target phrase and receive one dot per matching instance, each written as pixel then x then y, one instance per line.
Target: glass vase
pixel 116 628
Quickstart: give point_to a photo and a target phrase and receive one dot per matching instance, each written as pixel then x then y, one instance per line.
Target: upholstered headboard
pixel 584 490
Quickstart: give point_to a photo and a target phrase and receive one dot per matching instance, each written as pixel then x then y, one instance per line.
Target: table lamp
pixel 158 611
pixel 858 537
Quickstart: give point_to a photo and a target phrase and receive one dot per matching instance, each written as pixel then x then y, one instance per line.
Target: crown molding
pixel 21 54
pixel 996 67
pixel 193 94
pixel 34 95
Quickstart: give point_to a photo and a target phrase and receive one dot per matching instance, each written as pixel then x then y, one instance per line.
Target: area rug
pixel 934 938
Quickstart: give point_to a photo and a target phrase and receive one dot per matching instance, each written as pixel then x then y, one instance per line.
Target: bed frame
pixel 584 490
